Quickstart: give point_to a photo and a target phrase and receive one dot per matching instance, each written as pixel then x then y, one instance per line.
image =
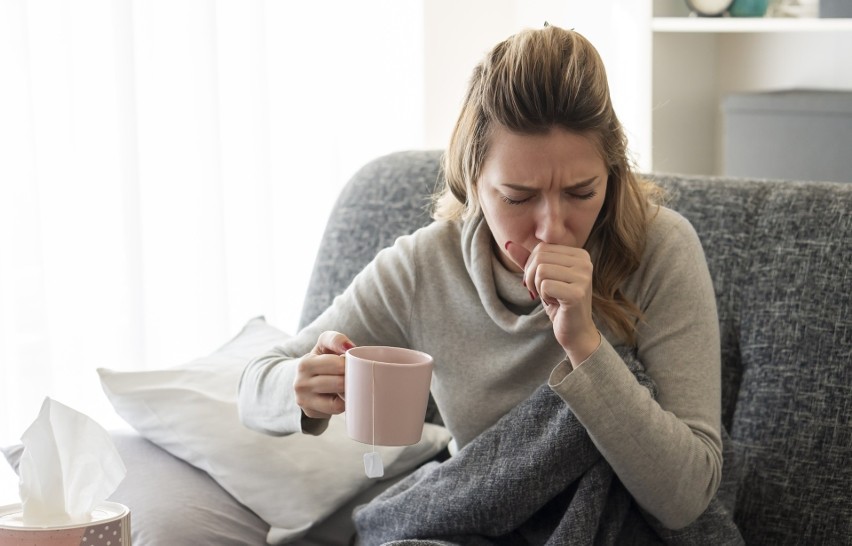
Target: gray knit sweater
pixel 441 290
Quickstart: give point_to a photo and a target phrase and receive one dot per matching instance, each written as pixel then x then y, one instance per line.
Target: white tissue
pixel 68 467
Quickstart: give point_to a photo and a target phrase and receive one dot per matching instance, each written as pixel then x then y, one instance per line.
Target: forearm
pixel 266 399
pixel 371 311
pixel 671 466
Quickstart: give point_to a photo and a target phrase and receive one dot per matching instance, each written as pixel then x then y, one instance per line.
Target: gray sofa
pixel 780 256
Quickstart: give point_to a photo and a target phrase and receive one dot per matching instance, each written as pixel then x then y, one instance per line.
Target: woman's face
pixel 541 188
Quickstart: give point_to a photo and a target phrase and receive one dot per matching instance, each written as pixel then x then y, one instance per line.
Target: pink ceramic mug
pixel 387 391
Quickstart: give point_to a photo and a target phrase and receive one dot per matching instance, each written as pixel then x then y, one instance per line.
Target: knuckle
pixel 303 367
pixel 301 401
pixel 326 339
pixel 323 338
pixel 339 364
pixel 300 387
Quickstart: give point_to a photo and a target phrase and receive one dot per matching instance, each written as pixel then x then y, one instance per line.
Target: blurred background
pixel 167 166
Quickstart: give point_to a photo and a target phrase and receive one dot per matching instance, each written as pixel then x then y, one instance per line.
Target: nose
pixel 550 223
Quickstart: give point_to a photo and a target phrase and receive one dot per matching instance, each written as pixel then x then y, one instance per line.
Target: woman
pixel 546 254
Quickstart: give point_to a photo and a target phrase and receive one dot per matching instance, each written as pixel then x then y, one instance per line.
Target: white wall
pixel 456 36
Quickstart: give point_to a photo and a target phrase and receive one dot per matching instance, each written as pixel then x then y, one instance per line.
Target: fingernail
pixel 506 246
pixel 524 282
pixel 347 346
pixel 531 295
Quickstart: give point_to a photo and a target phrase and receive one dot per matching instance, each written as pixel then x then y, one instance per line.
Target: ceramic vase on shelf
pixel 709 8
pixel 748 8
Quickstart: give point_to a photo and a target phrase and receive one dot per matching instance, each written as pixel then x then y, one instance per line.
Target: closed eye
pixel 511 201
pixel 584 196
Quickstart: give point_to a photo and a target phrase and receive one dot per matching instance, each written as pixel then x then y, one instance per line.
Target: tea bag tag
pixel 373 466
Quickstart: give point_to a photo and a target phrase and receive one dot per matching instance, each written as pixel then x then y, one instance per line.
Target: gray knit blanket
pixel 534 478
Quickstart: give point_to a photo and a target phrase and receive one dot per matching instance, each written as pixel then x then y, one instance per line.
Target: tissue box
pixel 110 526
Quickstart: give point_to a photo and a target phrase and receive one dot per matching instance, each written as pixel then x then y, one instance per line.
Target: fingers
pixel 313 365
pixel 518 254
pixel 559 264
pixel 332 343
pixel 320 381
pixel 334 404
pixel 569 294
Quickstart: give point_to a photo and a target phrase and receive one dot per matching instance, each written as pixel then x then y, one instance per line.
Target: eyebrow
pixel 577 186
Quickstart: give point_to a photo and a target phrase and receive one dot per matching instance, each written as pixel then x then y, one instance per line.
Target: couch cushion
pixel 780 255
pixel 794 407
pixel 290 482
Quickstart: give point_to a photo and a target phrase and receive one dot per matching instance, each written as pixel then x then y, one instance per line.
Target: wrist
pixel 583 347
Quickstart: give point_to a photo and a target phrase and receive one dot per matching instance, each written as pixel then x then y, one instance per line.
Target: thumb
pixel 333 343
pixel 518 254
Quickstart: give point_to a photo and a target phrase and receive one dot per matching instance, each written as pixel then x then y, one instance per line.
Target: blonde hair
pixel 530 83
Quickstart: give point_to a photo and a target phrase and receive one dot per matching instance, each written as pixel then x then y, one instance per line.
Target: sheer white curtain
pixel 166 169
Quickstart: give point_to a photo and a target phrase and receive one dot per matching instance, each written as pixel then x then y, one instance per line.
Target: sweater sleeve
pixel 374 310
pixel 667 452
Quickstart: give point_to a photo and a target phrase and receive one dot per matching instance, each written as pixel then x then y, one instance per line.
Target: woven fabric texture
pixel 780 256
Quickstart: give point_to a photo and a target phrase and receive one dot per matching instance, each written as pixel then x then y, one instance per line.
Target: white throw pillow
pixel 291 482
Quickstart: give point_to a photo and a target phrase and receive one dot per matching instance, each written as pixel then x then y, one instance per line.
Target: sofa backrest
pixel 780 256
pixel 386 198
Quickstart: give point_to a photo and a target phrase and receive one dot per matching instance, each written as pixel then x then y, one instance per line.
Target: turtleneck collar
pixel 503 296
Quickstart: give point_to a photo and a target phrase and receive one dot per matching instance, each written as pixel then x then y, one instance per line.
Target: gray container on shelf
pixel 835 8
pixel 800 135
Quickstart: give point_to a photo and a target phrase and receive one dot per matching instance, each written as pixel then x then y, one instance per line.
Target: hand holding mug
pixel 320 380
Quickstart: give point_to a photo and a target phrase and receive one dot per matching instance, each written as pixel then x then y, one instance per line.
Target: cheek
pixel 505 225
pixel 584 222
pixel 518 229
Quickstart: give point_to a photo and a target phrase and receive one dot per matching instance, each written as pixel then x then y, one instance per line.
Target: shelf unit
pixel 669 72
pixel 695 62
pixel 722 25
